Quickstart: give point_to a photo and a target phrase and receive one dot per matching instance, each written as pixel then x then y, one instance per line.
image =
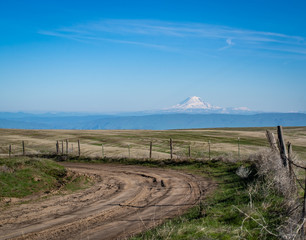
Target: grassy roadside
pixel 25 177
pixel 234 211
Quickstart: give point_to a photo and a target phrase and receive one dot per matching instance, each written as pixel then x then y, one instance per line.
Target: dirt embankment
pixel 125 200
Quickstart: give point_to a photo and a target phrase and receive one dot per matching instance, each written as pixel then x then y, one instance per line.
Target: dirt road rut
pixel 124 201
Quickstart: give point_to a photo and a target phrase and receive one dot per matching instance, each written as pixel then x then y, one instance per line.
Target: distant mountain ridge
pixel 193 112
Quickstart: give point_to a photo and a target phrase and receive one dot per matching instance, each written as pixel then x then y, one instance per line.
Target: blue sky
pixel 111 56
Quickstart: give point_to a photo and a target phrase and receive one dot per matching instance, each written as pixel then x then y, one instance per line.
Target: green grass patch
pixel 20 177
pixel 23 176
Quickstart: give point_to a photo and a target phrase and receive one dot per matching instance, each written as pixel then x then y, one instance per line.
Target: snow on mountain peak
pixel 194 103
pixel 197 105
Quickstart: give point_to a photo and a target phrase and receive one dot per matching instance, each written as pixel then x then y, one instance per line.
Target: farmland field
pixel 116 143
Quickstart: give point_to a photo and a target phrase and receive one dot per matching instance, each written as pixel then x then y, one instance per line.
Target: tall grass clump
pixel 280 207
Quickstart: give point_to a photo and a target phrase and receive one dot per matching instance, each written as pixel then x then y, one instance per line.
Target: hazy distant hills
pixel 183 121
pixel 193 112
pixel 154 122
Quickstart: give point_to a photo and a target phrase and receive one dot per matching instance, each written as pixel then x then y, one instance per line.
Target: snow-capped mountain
pixel 194 103
pixel 197 105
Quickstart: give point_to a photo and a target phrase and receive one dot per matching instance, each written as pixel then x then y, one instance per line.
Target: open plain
pixel 135 143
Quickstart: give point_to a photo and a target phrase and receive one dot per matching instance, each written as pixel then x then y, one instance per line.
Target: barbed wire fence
pixel 175 149
pixel 286 156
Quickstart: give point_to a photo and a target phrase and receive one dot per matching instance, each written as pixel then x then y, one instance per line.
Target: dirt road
pixel 125 200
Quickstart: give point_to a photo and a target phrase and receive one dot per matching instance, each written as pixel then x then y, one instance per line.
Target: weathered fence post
pixel 282 147
pixel 67 146
pixel 102 151
pixel 209 149
pixel 171 148
pixel 189 151
pixel 62 148
pixel 289 146
pixel 23 149
pixel 57 147
pixel 150 155
pixel 10 150
pixel 271 140
pixel 238 148
pixel 129 151
pixel 79 147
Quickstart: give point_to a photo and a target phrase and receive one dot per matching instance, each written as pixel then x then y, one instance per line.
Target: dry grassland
pixel 116 143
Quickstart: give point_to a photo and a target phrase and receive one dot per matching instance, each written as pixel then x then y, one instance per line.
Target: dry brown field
pixel 135 143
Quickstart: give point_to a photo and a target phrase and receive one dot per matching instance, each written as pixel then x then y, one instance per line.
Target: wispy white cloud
pixel 184 36
pixel 157 46
pixel 229 43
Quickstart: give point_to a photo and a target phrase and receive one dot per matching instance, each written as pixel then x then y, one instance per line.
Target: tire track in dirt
pixel 125 200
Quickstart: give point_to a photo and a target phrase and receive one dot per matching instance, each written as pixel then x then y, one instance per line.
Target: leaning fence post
pixel 171 148
pixel 282 148
pixel 150 155
pixel 10 150
pixel 271 140
pixel 57 147
pixel 23 150
pixel 79 148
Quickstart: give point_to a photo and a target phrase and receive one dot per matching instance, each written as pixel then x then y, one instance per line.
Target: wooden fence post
pixel 282 148
pixel 271 140
pixel 238 148
pixel 23 149
pixel 67 146
pixel 79 147
pixel 171 148
pixel 150 155
pixel 62 147
pixel 10 150
pixel 102 151
pixel 289 146
pixel 57 147
pixel 129 151
pixel 189 151
pixel 209 149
